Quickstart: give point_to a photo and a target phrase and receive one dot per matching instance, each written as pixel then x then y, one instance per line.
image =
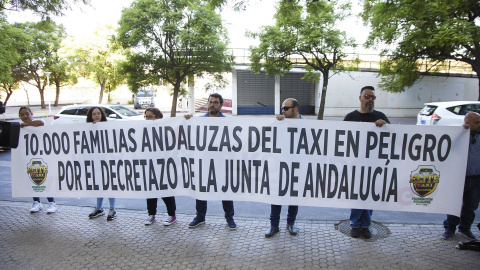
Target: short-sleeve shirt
pixel 357 116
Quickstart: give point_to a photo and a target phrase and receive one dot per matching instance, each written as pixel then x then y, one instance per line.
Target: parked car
pixel 144 98
pixel 78 114
pixel 449 113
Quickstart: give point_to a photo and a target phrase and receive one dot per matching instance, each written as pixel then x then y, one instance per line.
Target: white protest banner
pixel 289 162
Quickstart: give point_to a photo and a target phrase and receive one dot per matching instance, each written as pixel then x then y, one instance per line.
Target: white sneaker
pixel 36 206
pixel 149 220
pixel 52 208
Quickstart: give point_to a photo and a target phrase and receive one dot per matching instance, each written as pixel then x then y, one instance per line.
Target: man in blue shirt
pixel 215 103
pixel 471 190
pixel 290 109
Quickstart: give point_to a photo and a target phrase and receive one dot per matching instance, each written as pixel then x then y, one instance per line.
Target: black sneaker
pixel 231 224
pixel 467 233
pixel 112 214
pixel 366 233
pixel 448 234
pixel 355 232
pixel 196 222
pixel 96 213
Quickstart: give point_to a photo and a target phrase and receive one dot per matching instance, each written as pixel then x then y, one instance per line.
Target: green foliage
pixel 44 8
pixel 171 40
pixel 414 31
pixel 99 58
pixel 304 34
pixel 40 54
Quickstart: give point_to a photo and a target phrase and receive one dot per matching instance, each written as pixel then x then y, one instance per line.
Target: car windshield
pixel 145 93
pixel 124 111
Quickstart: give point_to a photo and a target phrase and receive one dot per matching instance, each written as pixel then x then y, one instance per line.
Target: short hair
pixel 158 114
pixel 367 87
pixel 90 112
pixel 294 102
pixel 216 95
pixel 25 108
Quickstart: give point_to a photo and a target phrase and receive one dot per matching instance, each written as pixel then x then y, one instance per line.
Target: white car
pixel 449 113
pixel 78 114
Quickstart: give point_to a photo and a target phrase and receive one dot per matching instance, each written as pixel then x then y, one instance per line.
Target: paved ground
pixel 69 240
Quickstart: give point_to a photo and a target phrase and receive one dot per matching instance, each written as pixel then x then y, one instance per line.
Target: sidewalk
pixel 69 240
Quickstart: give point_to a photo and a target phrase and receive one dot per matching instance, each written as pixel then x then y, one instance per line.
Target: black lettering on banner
pixel 353 195
pixel 212 138
pixel 61 174
pixel 292 132
pixel 185 172
pixel 377 171
pixel 302 142
pixel 343 188
pixel 236 130
pixel 332 170
pixel 172 173
pixel 372 141
pixel 253 136
pixel 76 142
pixel 364 195
pixel 266 139
pixel 212 178
pixel 71 174
pixel 283 188
pixel 382 145
pixel 105 175
pixel 182 139
pixel 339 142
pixel 202 146
pixel 88 174
pixel 225 140
pixel 113 174
pixel 120 184
pixel 429 147
pixel 84 144
pixel 95 141
pixel 157 139
pixel 129 175
pixel 169 133
pixel 392 152
pixel 414 156
pixel 444 139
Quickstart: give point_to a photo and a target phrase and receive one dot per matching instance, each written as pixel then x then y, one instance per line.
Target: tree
pixel 39 55
pixel 304 33
pixel 13 42
pixel 98 57
pixel 44 8
pixel 419 31
pixel 172 40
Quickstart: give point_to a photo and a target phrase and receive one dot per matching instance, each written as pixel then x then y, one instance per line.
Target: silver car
pixel 78 114
pixel 448 113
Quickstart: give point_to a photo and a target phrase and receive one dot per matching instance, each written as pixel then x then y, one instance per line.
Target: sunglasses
pixel 286 108
pixel 370 97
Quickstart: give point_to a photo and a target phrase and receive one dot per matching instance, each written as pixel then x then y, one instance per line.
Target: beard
pixel 369 107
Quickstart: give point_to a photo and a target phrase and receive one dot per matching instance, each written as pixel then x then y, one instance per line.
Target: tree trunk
pixel 176 90
pixel 42 98
pixel 57 93
pixel 321 108
pixel 102 89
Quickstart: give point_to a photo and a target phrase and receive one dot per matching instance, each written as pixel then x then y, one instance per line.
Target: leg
pixel 366 218
pixel 471 199
pixel 292 214
pixel 112 203
pixel 50 199
pixel 228 209
pixel 201 207
pixel 36 199
pixel 170 204
pixel 99 203
pixel 356 218
pixel 152 206
pixel 275 215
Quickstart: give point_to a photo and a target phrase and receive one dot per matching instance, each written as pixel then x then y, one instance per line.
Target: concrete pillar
pixel 234 92
pixel 278 102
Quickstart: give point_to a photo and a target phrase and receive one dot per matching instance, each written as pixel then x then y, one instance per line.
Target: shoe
pixel 36 206
pixel 292 229
pixel 150 220
pixel 170 220
pixel 366 233
pixel 231 224
pixel 467 233
pixel 112 214
pixel 448 234
pixel 196 222
pixel 272 231
pixel 355 232
pixel 52 208
pixel 96 213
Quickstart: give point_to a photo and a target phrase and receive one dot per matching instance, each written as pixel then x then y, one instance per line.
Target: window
pixel 428 110
pixel 70 111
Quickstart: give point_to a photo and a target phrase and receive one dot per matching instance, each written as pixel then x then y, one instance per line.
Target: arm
pixel 34 123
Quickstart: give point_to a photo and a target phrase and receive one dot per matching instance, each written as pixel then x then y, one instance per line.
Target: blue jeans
pixel 37 199
pixel 275 214
pixel 471 199
pixel 360 218
pixel 100 203
pixel 201 207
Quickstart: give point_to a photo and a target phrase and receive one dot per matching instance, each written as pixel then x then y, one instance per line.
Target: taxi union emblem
pixel 37 170
pixel 424 180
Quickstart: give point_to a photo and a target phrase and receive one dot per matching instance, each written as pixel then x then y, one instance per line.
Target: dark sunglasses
pixel 286 108
pixel 370 97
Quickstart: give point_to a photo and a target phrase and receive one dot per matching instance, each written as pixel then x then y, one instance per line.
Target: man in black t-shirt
pixel 360 219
